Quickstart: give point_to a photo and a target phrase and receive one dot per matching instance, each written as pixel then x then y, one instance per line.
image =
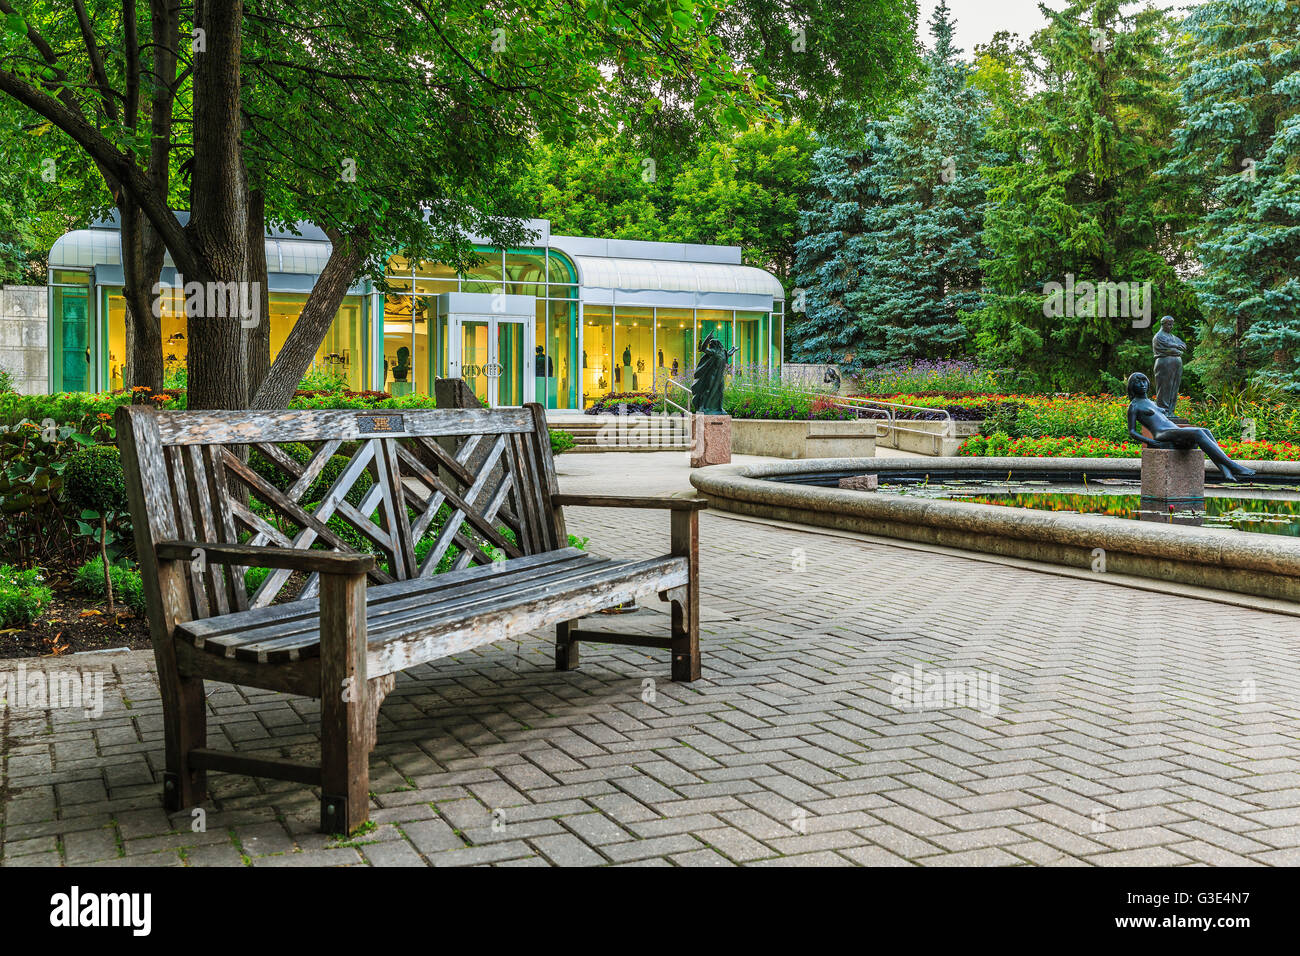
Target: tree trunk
pixel 259 336
pixel 218 227
pixel 142 260
pixel 318 313
pixel 103 556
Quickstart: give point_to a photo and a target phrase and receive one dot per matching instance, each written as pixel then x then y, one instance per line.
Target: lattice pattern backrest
pixel 424 490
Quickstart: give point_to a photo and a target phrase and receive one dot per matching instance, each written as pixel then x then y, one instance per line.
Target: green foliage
pixel 1083 118
pixel 745 192
pixel 93 479
pixel 1237 146
pixel 891 255
pixel 561 441
pixel 781 402
pixel 22 596
pixel 128 587
pixel 6 381
pixel 37 524
pixel 253 579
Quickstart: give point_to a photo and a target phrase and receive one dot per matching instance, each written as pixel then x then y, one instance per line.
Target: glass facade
pixel 395 336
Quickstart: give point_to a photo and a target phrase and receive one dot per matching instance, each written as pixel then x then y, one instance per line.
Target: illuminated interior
pixel 603 317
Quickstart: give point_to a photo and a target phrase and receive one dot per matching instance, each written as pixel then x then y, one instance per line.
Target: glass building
pixel 563 322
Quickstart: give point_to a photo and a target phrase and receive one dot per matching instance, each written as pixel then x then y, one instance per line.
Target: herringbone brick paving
pixel 1124 727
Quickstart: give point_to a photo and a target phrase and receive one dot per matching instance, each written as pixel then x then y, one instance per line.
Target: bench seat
pixel 351 513
pixel 422 619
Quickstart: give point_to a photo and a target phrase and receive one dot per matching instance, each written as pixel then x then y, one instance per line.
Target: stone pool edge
pixel 1262 565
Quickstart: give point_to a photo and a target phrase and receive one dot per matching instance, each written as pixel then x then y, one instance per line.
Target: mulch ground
pixel 74 623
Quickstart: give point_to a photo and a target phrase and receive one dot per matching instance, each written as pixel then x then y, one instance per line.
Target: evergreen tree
pixel 1239 144
pixel 904 281
pixel 1079 196
pixel 823 322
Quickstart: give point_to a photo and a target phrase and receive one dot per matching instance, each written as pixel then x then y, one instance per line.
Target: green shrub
pixel 93 479
pixel 128 586
pixel 22 596
pixel 253 579
pixel 561 441
pixel 6 381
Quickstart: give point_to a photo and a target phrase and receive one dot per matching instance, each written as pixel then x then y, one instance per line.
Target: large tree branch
pixel 106 91
pixel 115 163
pixel 317 315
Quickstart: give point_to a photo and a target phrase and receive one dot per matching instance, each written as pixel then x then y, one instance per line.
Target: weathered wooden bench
pixel 331 621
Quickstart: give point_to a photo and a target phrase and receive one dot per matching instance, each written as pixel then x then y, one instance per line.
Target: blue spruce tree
pixel 891 278
pixel 1239 143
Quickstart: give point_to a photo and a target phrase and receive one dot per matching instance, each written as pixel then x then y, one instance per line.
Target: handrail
pixel 885 414
pixel 670 383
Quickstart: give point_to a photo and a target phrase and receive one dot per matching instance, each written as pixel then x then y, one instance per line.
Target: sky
pixel 978 20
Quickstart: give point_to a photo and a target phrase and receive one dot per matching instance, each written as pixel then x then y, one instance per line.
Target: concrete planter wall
pixel 1265 565
pixel 784 439
pixel 928 438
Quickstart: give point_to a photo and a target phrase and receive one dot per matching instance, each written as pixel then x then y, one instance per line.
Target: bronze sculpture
pixel 710 377
pixel 1166 434
pixel 1168 350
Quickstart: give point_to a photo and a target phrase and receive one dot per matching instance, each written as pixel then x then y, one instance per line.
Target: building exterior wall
pixel 602 316
pixel 24 336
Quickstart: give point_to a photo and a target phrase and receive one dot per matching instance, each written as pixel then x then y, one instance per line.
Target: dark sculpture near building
pixel 1166 434
pixel 1168 349
pixel 710 377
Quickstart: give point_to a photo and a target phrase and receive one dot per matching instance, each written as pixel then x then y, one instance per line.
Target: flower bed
pixel 951 376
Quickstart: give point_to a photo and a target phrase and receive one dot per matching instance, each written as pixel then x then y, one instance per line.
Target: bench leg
pixel 566 648
pixel 685 606
pixel 344 743
pixel 185 728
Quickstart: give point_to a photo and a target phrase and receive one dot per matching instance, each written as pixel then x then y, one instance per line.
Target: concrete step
pixel 626 433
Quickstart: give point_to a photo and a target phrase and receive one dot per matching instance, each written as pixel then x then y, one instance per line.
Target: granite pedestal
pixel 1176 475
pixel 710 440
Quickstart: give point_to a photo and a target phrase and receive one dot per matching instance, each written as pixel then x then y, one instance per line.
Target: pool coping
pixel 1264 565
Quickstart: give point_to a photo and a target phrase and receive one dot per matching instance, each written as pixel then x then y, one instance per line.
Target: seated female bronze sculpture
pixel 1165 434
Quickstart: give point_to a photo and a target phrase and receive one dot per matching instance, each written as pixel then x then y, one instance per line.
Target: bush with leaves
pixel 561 441
pixel 127 583
pixel 22 596
pixel 94 483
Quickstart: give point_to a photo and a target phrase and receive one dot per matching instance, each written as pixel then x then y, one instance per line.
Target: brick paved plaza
pixel 1120 726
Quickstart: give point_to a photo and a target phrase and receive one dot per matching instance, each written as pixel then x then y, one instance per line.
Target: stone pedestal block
pixel 710 440
pixel 1174 474
pixel 861 483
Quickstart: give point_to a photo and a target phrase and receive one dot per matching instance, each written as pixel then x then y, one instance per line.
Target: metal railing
pixel 891 418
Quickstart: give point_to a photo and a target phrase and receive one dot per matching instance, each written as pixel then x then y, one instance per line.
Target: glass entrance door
pixel 491 353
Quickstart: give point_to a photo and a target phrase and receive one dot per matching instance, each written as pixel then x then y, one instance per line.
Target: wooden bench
pixel 335 622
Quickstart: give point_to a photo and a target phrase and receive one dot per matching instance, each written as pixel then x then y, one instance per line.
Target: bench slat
pixel 515 615
pixel 392 616
pixel 291 611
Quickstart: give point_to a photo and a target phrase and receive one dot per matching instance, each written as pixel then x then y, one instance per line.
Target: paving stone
pixel 1106 749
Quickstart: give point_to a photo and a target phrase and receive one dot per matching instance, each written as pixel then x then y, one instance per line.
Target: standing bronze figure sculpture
pixel 710 377
pixel 1166 434
pixel 1168 349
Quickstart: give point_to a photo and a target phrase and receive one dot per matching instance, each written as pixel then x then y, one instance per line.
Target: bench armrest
pixel 291 559
pixel 631 501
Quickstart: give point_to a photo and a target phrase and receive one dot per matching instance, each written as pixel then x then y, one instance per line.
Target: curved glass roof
pixel 638 275
pixel 645 272
pixel 88 248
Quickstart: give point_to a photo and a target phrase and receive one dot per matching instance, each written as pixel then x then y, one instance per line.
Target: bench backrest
pixel 471 484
